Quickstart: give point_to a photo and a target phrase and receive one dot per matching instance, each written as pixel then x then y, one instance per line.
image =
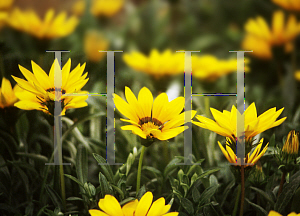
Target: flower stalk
pixel 138 182
pixel 242 190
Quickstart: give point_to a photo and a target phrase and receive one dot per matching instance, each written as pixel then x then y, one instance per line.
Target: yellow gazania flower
pixel 93 43
pixel 251 158
pixel 157 64
pixel 274 213
pixel 291 145
pixel 160 119
pixel 40 88
pixel 288 4
pixel 209 68
pixel 106 8
pixel 111 207
pixel 260 38
pixel 225 124
pixel 7 94
pixel 51 27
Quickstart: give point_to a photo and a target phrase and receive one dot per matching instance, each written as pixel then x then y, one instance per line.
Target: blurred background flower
pixel 293 5
pixel 8 94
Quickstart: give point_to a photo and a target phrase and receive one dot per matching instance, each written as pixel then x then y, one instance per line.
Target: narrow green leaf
pixel 264 194
pixel 195 195
pixel 104 184
pixel 74 199
pixel 105 168
pixel 35 157
pixel 257 207
pixel 187 205
pixel 81 164
pixel 54 197
pixel 172 166
pixel 207 194
pixel 75 180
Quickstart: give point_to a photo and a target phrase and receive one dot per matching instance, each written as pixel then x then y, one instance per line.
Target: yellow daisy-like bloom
pixel 51 27
pixel 288 4
pixel 106 8
pixel 111 207
pixel 160 119
pixel 7 94
pixel 157 64
pixel 260 38
pixel 251 158
pixel 274 213
pixel 291 145
pixel 210 68
pixel 40 88
pixel 226 122
pixel 94 42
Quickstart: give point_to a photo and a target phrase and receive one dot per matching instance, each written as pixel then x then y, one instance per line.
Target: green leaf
pixel 141 192
pixel 187 205
pixel 104 184
pixel 35 157
pixel 172 166
pixel 264 194
pixel 118 190
pixel 105 168
pixel 54 197
pixel 206 173
pixel 81 164
pixel 127 200
pixel 75 180
pixel 207 194
pixel 74 199
pixel 257 207
pixel 195 195
pixel 296 201
pixel 287 193
pixel 129 162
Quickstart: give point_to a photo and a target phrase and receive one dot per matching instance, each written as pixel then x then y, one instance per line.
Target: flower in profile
pixel 94 42
pixel 293 5
pixel 210 68
pixel 274 213
pixel 111 207
pixel 291 145
pixel 160 119
pixel 261 39
pixel 40 88
pixel 157 64
pixel 251 158
pixel 106 8
pixel 51 27
pixel 225 123
pixel 8 94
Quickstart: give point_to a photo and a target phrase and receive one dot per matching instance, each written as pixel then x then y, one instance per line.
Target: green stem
pixel 166 152
pixel 138 183
pixel 237 201
pixel 242 190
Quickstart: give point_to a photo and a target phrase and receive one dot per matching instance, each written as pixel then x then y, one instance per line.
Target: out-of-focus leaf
pixel 35 157
pixel 264 194
pixel 105 168
pixel 207 194
pixel 257 207
pixel 82 164
pixel 54 197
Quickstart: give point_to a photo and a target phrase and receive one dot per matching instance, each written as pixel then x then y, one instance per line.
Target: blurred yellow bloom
pixel 225 124
pixel 274 213
pixel 210 68
pixel 3 18
pixel 291 145
pixel 40 88
pixel 250 158
pixel 297 75
pixel 159 119
pixel 106 8
pixel 111 207
pixel 7 94
pixel 157 64
pixel 5 4
pixel 288 4
pixel 94 42
pixel 51 27
pixel 261 38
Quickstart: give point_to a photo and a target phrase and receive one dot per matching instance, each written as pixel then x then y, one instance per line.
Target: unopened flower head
pixel 50 27
pixel 42 90
pixel 150 119
pixel 261 38
pixel 291 145
pixel 144 207
pixel 156 64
